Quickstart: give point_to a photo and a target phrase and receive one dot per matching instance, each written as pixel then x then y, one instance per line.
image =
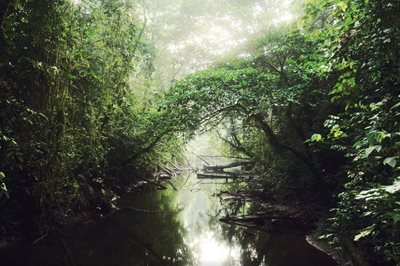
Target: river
pixel 169 227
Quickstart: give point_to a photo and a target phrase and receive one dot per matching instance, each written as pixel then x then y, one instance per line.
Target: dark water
pixel 171 228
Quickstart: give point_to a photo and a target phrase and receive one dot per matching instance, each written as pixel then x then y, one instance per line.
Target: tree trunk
pixel 275 143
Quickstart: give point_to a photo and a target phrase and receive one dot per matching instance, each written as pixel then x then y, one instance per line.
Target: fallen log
pixel 224 175
pixel 220 168
pixel 158 185
pixel 257 219
pixel 327 249
pixel 226 195
pixel 228 157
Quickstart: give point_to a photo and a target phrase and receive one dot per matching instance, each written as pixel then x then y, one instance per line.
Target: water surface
pixel 168 227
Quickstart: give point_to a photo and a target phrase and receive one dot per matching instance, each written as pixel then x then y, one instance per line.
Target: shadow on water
pixel 148 234
pixel 170 227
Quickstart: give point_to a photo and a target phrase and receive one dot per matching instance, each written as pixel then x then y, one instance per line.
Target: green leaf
pixel 391 161
pixel 395 187
pixel 3 187
pixel 364 232
pixel 358 144
pixel 316 137
pixel 370 194
pixel 397 105
pixel 375 137
pixel 369 150
pixel 368 213
pixel 395 216
pixel 342 6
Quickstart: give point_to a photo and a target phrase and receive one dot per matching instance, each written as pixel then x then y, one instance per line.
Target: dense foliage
pixel 315 104
pixel 268 105
pixel 318 106
pixel 70 126
pixel 363 48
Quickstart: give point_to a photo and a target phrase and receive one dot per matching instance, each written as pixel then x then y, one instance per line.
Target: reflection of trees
pixel 136 238
pixel 260 248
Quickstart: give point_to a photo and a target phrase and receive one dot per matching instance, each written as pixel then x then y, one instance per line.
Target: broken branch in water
pixel 153 182
pixel 39 239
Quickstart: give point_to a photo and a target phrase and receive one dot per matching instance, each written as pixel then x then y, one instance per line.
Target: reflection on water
pixel 146 231
pixel 212 243
pixel 210 251
pixel 200 215
pixel 172 228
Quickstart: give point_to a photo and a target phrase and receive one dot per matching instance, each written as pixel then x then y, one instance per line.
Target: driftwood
pixel 220 168
pixel 167 171
pixel 136 210
pixel 266 223
pixel 153 183
pixel 218 171
pixel 257 219
pixel 162 176
pixel 39 239
pixel 224 175
pixel 326 248
pixel 228 157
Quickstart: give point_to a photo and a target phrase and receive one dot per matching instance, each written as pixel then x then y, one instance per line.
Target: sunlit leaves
pixel 364 232
pixel 362 54
pixel 381 192
pixel 316 138
pixel 376 136
pixel 3 187
pixel 391 161
pixel 370 149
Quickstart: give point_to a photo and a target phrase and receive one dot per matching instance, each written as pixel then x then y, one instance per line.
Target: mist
pixel 190 35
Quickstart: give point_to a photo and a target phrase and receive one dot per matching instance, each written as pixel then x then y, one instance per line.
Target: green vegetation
pixel 69 118
pixel 315 103
pixel 322 100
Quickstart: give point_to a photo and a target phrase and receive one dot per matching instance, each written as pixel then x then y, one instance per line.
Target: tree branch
pixel 238 147
pixel 275 143
pixel 146 149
